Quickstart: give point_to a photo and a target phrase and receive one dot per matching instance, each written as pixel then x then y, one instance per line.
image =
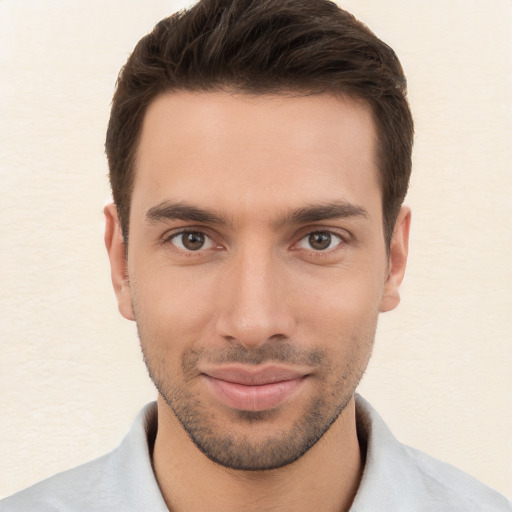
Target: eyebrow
pixel 328 211
pixel 168 210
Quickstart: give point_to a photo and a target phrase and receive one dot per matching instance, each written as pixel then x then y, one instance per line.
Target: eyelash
pixel 168 239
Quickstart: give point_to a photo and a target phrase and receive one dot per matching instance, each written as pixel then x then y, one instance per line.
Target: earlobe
pixel 398 252
pixel 118 265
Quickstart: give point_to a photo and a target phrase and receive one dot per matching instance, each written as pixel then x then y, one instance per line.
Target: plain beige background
pixel 71 376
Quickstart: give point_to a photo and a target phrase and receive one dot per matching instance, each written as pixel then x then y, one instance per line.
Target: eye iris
pixel 320 240
pixel 193 241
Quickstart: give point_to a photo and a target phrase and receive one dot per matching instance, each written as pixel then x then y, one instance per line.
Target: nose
pixel 253 305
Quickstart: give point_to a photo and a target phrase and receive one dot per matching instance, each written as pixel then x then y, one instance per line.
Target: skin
pixel 288 267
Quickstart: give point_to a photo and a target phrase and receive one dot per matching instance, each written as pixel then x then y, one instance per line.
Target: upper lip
pixel 256 376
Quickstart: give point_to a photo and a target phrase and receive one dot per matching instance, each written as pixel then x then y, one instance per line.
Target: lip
pixel 254 389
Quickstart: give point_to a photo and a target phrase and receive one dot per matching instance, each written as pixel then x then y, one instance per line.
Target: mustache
pixel 268 352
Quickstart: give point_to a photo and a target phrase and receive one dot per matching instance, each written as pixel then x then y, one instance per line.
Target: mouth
pixel 258 389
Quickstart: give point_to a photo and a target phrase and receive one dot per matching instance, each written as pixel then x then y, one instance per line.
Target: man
pixel 259 156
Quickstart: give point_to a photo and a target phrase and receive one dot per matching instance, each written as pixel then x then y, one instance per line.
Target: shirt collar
pixel 377 490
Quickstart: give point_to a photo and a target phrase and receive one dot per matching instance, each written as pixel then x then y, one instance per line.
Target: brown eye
pixel 320 241
pixel 192 241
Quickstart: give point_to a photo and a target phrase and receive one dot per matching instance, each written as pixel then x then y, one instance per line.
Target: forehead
pixel 246 151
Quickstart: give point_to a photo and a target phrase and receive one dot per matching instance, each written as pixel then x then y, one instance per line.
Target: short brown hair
pixel 260 47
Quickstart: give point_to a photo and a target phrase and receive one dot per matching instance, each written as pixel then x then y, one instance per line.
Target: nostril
pixel 278 337
pixel 231 340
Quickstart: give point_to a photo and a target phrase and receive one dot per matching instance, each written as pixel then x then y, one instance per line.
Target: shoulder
pixel 122 480
pixel 449 489
pixel 399 478
pixel 76 489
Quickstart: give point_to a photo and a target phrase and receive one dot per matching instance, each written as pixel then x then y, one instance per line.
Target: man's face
pixel 256 266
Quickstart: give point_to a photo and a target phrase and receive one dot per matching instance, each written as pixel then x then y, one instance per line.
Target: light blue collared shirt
pixel 396 478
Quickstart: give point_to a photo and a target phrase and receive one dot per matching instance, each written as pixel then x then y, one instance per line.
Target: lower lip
pixel 254 398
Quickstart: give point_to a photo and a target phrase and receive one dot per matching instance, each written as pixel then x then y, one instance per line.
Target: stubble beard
pixel 237 450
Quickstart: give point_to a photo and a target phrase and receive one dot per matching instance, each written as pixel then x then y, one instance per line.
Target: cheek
pixel 344 295
pixel 172 305
pixel 340 315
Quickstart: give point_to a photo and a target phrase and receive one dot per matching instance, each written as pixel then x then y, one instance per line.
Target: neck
pixel 325 478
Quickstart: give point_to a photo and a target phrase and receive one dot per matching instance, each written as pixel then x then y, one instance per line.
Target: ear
pixel 398 251
pixel 118 265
